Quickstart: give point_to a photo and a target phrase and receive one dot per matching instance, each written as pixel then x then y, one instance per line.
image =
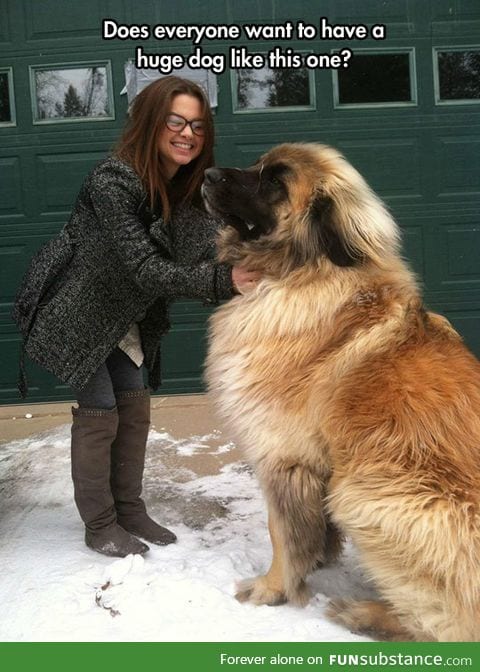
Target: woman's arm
pixel 115 192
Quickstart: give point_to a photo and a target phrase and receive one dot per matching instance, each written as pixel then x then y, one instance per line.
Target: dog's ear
pixel 330 238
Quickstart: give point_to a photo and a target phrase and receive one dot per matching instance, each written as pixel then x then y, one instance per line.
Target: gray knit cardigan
pixel 114 263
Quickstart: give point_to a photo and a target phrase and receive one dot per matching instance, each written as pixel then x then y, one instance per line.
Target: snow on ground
pixel 53 588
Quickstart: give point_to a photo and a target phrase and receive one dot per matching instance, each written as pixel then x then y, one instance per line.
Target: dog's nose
pixel 214 175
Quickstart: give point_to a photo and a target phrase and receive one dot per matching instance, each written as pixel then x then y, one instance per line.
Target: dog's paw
pixel 348 613
pixel 340 611
pixel 375 619
pixel 257 591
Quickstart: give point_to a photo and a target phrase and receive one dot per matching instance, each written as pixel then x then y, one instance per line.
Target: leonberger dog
pixel 358 409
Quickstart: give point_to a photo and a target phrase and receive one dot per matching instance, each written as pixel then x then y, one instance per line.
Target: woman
pixel 94 303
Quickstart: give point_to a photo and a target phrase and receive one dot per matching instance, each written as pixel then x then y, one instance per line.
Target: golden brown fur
pixel 359 410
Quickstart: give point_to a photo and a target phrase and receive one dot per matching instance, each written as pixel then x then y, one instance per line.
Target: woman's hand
pixel 244 280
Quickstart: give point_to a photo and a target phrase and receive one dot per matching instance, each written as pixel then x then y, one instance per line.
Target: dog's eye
pixel 274 181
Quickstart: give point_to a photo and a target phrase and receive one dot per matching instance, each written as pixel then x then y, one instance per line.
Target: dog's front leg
pixel 302 538
pixel 268 589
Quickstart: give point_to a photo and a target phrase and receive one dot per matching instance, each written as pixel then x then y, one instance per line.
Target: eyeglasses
pixel 176 123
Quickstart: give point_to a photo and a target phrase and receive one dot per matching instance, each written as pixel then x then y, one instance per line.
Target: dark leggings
pixel 117 374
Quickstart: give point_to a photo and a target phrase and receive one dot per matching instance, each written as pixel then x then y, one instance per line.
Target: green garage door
pixel 405 111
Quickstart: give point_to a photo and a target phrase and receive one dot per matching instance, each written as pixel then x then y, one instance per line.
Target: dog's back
pixel 406 467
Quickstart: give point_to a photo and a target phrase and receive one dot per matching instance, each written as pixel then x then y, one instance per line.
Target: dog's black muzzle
pixel 233 195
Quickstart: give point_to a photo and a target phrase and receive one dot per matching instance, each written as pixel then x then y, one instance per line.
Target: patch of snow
pixel 53 588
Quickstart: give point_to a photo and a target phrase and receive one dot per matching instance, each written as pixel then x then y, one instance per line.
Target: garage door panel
pixel 59 178
pixel 452 255
pixel 391 167
pixel 413 248
pixel 5 23
pixel 463 244
pixel 467 323
pixel 184 348
pixel 244 154
pixel 454 19
pixel 458 159
pixel 83 20
pixel 11 197
pixel 367 10
pixel 42 386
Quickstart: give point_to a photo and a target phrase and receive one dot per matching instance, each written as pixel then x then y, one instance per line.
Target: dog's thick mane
pixel 311 300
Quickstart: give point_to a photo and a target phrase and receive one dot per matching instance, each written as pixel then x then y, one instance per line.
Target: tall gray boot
pixel 93 431
pixel 128 461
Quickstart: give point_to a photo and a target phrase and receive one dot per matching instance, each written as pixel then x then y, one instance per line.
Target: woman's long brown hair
pixel 138 145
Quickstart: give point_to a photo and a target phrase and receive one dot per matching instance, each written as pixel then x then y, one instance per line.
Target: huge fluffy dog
pixel 358 409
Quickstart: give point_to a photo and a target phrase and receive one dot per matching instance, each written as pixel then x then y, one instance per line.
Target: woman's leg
pixel 98 392
pixel 124 374
pixel 128 450
pixel 94 428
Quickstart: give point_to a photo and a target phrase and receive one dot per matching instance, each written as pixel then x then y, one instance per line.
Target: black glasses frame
pixel 196 130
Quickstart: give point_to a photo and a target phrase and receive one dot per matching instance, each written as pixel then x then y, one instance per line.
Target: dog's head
pixel 303 203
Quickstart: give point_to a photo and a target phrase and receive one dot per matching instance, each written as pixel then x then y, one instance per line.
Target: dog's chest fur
pixel 262 349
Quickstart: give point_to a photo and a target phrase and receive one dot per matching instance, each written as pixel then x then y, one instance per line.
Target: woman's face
pixel 178 148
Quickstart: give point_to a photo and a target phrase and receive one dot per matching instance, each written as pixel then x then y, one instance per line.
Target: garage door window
pixel 457 75
pixel 268 90
pixel 375 79
pixel 71 92
pixel 7 106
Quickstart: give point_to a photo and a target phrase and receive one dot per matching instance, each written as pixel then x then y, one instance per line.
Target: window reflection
pixel 5 102
pixel 375 78
pixel 459 75
pixel 267 88
pixel 65 94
